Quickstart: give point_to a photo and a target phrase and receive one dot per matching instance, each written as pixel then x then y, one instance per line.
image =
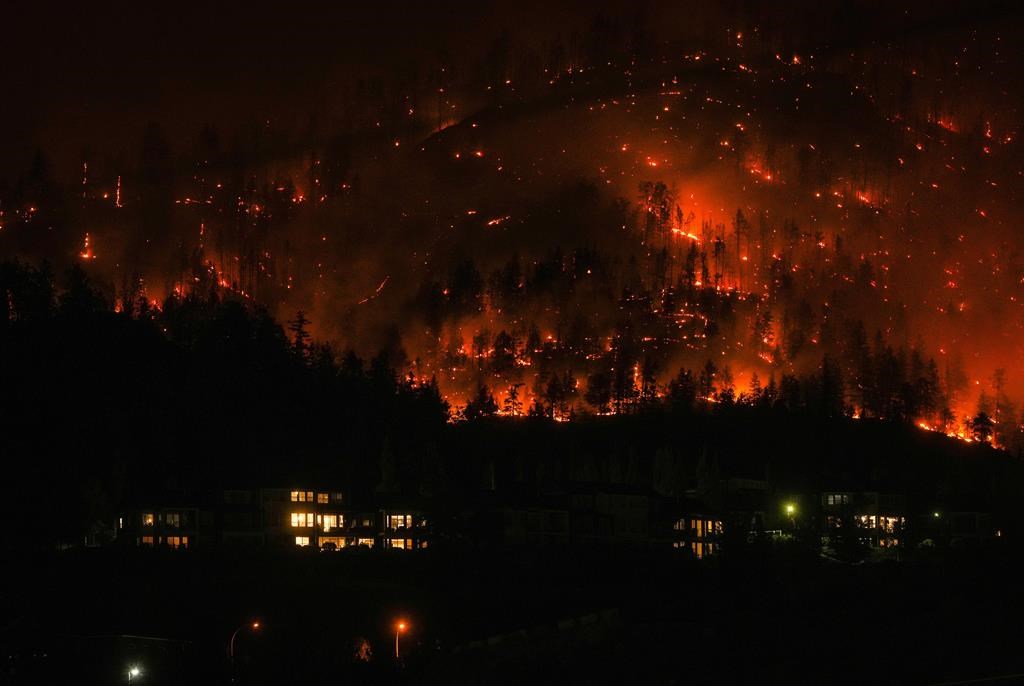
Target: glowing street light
pixel 231 644
pixel 133 672
pixel 790 509
pixel 399 628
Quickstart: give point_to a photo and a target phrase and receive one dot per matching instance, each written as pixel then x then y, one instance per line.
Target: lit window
pixel 295 496
pixel 120 522
pixel 302 496
pixel 330 522
pixel 321 497
pixel 302 541
pixel 303 519
pixel 368 542
pixel 399 521
pixel 148 519
pixel 177 541
pixel 147 540
pixel 400 543
pixel 327 542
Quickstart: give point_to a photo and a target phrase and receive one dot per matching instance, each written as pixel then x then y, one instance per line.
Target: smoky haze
pixel 372 166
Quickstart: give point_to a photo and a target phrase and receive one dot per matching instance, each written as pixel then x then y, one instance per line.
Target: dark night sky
pixel 90 76
pixel 94 74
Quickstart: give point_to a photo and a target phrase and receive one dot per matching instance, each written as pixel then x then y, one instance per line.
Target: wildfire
pixel 87 253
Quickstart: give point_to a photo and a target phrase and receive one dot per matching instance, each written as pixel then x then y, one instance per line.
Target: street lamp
pixel 133 672
pixel 399 628
pixel 231 644
pixel 790 510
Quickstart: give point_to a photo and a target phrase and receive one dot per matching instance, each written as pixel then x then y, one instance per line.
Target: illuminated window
pixel 399 521
pixel 400 543
pixel 120 522
pixel 303 519
pixel 330 522
pixel 368 542
pixel 147 540
pixel 302 541
pixel 321 497
pixel 867 521
pixel 173 519
pixel 148 519
pixel 337 542
pixel 302 496
pixel 679 525
pixel 177 542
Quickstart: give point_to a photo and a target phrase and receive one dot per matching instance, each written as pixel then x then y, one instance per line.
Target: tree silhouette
pixel 300 334
pixel 481 405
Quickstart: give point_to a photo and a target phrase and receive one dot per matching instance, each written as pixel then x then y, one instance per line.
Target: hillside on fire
pixel 603 203
pixel 512 342
pixel 203 395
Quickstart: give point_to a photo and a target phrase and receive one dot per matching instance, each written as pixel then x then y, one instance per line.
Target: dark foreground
pixel 772 616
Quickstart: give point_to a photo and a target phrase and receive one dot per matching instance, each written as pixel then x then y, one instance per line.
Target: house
pixel 291 517
pixel 695 528
pixel 878 520
pixel 322 518
pixel 151 526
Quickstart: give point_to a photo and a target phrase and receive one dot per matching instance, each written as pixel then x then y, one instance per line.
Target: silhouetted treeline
pixel 98 405
pixel 180 399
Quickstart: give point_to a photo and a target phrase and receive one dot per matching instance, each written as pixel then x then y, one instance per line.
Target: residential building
pixel 878 520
